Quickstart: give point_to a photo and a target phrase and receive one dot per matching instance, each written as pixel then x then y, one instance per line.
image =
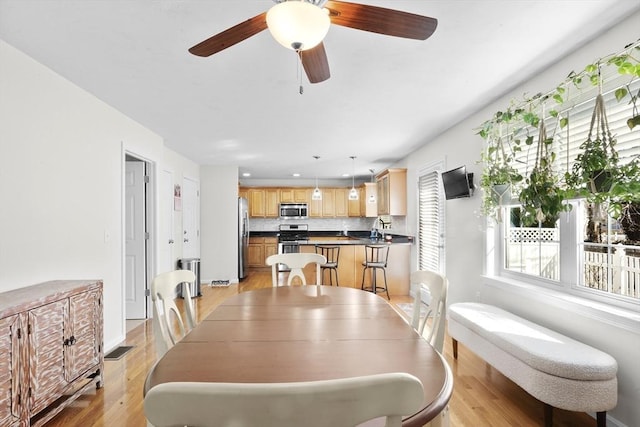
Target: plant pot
pixel 630 221
pixel 601 181
pixel 501 194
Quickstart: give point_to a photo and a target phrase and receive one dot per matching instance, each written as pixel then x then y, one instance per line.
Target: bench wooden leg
pixel 548 415
pixel 455 348
pixel 602 418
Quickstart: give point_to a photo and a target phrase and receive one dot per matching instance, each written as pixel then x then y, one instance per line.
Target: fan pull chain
pixel 299 71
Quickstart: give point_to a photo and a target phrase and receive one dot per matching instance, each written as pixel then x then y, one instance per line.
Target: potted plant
pixel 498 175
pixel 542 198
pixel 596 167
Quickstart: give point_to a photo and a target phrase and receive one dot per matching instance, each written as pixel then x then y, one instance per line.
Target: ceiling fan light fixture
pixel 298 25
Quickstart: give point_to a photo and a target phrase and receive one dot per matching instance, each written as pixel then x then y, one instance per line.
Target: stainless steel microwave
pixel 294 210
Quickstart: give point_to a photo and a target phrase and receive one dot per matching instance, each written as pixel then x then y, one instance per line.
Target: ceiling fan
pixel 301 25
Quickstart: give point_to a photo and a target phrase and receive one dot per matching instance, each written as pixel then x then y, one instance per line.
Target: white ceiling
pixel 385 98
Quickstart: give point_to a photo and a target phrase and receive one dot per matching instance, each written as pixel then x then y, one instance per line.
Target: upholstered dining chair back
pixel 168 326
pixel 296 262
pixel 344 402
pixel 434 313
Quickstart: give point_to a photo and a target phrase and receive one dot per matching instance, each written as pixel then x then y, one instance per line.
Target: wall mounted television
pixel 457 183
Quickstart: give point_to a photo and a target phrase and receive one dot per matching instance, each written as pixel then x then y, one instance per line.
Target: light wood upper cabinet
pixel 369 200
pixel 328 202
pixel 264 201
pixel 294 195
pixel 256 202
pixel 354 205
pixel 341 202
pixel 392 192
pixel 271 199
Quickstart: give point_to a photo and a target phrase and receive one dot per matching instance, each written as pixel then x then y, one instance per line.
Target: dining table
pixel 306 333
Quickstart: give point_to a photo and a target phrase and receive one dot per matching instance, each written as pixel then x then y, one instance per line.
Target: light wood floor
pixel 481 397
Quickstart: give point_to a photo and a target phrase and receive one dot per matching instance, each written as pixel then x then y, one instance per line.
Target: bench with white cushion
pixel 555 369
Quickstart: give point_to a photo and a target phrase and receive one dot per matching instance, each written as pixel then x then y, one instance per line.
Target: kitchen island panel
pixel 350 267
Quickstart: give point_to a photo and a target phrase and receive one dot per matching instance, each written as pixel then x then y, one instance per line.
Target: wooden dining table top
pixel 306 333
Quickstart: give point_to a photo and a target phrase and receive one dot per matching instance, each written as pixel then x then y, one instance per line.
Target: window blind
pixel 567 141
pixel 430 222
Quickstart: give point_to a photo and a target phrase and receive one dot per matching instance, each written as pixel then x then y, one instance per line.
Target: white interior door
pixel 190 219
pixel 135 240
pixel 167 240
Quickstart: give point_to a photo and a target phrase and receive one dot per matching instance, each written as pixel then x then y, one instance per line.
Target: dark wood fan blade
pixel 315 63
pixel 380 20
pixel 231 36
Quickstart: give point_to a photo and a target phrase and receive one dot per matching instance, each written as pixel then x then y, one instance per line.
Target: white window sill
pixel 615 316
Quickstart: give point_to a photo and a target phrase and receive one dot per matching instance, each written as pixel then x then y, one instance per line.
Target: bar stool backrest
pixel 376 255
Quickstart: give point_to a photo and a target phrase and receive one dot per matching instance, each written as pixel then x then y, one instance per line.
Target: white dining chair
pixel 296 262
pixel 435 286
pixel 168 326
pixel 344 402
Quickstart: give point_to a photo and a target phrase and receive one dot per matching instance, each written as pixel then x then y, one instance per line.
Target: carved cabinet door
pixel 46 357
pixel 82 349
pixel 9 371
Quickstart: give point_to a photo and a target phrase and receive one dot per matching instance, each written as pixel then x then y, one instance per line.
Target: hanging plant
pixel 542 198
pixel 498 177
pixel 596 167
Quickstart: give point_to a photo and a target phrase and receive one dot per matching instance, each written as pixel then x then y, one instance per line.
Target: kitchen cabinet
pixel 294 195
pixel 256 202
pixel 255 252
pixel 260 248
pixel 328 202
pixel 392 192
pixel 263 202
pixel 51 341
pixel 369 200
pixel 270 247
pixel 315 208
pixel 354 206
pixel 341 202
pixel 271 196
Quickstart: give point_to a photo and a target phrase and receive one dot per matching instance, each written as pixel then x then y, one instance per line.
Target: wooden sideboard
pixel 51 346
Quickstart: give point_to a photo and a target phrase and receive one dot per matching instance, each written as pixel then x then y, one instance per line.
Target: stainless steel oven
pixel 289 239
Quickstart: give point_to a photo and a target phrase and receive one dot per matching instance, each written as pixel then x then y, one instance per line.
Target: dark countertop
pixel 355 237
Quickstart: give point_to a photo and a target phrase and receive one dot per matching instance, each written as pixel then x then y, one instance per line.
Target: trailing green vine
pixel 521 118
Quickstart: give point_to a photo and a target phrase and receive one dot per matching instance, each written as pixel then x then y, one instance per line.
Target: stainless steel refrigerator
pixel 243 236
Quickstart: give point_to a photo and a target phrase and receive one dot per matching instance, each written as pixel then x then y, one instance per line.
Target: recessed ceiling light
pixel 296 175
pixel 345 175
pixel 246 174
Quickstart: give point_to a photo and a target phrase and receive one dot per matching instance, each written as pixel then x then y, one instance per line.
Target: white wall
pixel 61 168
pixel 219 223
pixel 465 235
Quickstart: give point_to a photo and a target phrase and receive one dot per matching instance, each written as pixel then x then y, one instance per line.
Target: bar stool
pixel 331 253
pixel 376 257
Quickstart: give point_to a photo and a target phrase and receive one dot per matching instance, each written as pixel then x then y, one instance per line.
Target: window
pixel 430 219
pixel 586 251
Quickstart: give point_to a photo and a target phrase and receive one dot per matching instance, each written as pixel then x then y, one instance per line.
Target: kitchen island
pixel 352 255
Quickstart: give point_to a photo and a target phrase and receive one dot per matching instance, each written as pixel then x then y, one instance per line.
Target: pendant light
pixel 372 196
pixel 317 194
pixel 353 193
